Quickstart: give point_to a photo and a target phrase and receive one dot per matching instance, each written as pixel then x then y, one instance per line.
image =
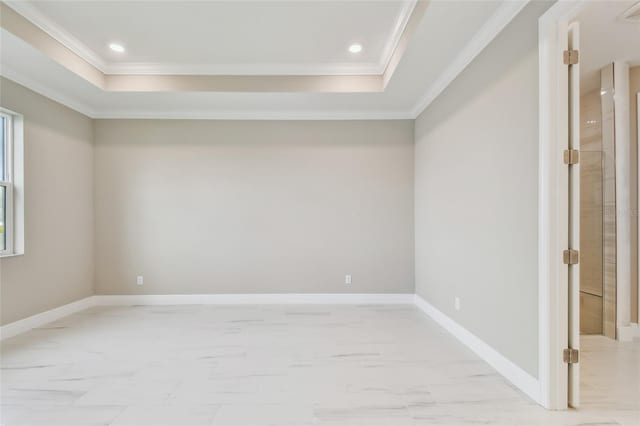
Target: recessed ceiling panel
pixel 447 33
pixel 228 37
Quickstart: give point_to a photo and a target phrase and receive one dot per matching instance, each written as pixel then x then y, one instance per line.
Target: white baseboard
pixel 34 321
pixel 15 328
pixel 520 378
pixel 516 375
pixel 254 299
pixel 628 333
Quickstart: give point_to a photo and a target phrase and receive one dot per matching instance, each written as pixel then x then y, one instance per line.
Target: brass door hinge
pixel 571 356
pixel 571 57
pixel 571 156
pixel 570 257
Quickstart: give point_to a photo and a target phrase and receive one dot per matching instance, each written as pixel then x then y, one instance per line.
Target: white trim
pixel 84 109
pixel 252 299
pixel 11 74
pixel 150 68
pixel 549 246
pixel 34 321
pixel 481 39
pixel 369 68
pixel 14 226
pixel 39 19
pixel 630 15
pixel 496 23
pixel 573 214
pixel 404 15
pixel 516 375
pixel 32 14
pixel 6 182
pixel 254 115
pixel 8 225
pixel 38 320
pixel 624 209
pixel 18 183
pixel 553 306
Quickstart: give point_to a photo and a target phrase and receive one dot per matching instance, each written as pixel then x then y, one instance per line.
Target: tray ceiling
pixel 433 48
pixel 226 37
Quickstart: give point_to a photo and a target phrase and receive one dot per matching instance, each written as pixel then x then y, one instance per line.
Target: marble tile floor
pixel 279 365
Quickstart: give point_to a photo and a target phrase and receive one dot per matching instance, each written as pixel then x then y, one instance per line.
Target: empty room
pixel 315 212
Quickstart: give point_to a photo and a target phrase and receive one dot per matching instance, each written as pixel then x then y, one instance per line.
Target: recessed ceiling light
pixel 355 48
pixel 116 47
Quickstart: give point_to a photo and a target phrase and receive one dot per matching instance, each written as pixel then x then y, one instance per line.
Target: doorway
pixel 609 68
pixel 597 200
pixel 589 53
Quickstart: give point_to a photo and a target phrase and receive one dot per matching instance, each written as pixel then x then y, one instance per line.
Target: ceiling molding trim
pixel 496 23
pixel 253 115
pixel 82 108
pixel 410 26
pixel 244 83
pixel 57 32
pixel 47 92
pixel 32 14
pixel 19 26
pixel 403 18
pixel 243 69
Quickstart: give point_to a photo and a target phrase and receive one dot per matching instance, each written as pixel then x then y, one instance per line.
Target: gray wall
pixel 254 206
pixel 57 267
pixel 476 192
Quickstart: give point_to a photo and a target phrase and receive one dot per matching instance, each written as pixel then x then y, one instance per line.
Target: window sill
pixel 2 256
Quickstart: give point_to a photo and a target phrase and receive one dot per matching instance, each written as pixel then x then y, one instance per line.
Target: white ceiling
pixel 227 37
pixel 605 37
pixel 449 35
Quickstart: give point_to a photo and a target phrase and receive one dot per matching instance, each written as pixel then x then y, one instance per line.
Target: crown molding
pixel 503 15
pixel 403 18
pixel 35 16
pixel 13 75
pixel 201 114
pixel 253 115
pixel 630 15
pixel 481 39
pixel 252 70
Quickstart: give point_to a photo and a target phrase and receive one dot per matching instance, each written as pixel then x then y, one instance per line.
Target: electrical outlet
pixel 140 280
pixel 456 303
pixel 347 279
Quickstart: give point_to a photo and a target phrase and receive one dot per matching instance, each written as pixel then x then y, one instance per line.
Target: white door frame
pixel 553 223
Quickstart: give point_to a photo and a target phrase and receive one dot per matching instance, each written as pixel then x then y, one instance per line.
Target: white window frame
pixel 8 184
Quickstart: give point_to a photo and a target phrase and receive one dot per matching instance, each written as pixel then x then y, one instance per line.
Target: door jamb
pixel 553 308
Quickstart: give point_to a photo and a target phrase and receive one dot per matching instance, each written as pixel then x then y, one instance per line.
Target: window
pixel 11 183
pixel 6 184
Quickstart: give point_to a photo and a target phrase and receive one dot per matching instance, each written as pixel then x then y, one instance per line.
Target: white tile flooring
pixel 280 365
